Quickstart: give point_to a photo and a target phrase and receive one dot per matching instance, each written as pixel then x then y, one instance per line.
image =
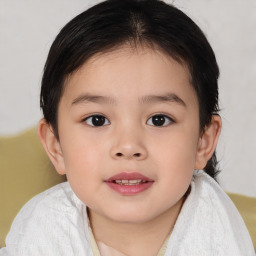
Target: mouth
pixel 129 182
pixel 126 183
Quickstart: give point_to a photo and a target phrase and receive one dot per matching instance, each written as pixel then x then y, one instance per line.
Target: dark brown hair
pixel 113 23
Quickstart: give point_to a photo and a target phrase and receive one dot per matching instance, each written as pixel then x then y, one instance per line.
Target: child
pixel 130 102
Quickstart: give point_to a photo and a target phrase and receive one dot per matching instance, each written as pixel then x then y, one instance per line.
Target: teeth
pixel 134 181
pixel 129 182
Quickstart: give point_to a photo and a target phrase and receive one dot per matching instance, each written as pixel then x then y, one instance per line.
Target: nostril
pixel 136 155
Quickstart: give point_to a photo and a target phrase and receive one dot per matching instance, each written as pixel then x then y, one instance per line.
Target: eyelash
pixel 94 116
pixel 102 118
pixel 170 120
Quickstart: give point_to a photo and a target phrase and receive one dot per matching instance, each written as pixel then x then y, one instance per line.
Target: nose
pixel 128 146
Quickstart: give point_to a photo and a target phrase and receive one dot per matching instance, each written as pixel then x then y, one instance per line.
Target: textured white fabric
pixel 54 223
pixel 209 224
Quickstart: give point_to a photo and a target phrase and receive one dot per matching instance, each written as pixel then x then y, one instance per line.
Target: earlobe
pixel 208 142
pixel 51 145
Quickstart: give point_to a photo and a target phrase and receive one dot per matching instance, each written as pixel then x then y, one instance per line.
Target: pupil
pixel 158 120
pixel 98 120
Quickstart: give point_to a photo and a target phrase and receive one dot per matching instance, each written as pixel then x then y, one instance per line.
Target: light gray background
pixel 28 27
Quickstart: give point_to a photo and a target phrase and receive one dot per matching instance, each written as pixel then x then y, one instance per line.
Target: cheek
pixel 175 158
pixel 176 150
pixel 81 153
pixel 83 168
pixel 82 158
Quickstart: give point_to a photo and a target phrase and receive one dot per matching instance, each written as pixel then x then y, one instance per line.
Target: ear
pixel 208 142
pixel 51 145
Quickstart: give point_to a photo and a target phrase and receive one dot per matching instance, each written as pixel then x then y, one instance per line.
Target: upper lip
pixel 128 176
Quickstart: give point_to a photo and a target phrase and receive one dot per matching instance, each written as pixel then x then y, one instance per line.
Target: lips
pixel 129 183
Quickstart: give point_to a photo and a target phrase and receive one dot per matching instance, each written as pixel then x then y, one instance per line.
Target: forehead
pixel 124 71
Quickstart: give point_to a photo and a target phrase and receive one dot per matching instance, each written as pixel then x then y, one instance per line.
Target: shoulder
pixel 49 222
pixel 59 198
pixel 209 221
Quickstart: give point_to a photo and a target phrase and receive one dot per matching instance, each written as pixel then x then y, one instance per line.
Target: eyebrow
pixel 148 99
pixel 86 98
pixel 169 97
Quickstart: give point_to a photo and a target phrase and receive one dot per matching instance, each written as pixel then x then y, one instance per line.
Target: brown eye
pixel 97 120
pixel 159 120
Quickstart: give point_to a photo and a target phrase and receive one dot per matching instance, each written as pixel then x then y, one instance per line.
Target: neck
pixel 134 239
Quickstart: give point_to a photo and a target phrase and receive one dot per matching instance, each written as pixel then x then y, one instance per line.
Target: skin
pixel 130 142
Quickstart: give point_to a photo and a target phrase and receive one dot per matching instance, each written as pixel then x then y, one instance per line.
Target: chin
pixel 131 217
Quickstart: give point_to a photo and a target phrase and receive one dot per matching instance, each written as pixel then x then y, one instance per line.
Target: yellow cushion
pixel 24 172
pixel 247 208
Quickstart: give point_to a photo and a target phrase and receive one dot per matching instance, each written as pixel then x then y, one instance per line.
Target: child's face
pixel 147 123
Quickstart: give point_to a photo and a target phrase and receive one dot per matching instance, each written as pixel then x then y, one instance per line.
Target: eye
pixel 160 120
pixel 96 120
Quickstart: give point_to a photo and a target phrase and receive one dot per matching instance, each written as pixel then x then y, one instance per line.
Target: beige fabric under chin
pixel 101 249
